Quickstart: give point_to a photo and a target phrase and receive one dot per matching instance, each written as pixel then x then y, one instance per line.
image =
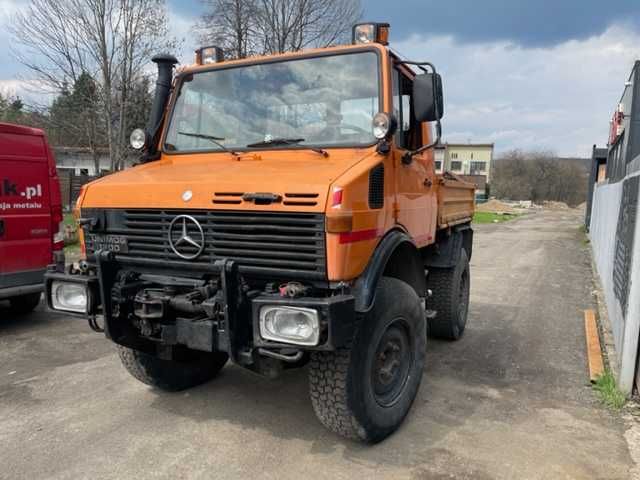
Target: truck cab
pixel 285 211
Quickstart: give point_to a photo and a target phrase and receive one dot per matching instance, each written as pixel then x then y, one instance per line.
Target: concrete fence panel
pixel 615 241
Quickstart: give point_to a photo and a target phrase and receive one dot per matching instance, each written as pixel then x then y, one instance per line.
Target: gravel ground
pixel 510 400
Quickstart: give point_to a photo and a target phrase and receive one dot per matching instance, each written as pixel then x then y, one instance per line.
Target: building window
pixel 454 156
pixel 438 165
pixel 471 155
pixel 477 167
pixel 456 166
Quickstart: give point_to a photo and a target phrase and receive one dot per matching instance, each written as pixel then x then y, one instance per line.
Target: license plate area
pixel 109 243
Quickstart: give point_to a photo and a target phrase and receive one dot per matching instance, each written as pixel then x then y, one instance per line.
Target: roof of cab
pixel 20 129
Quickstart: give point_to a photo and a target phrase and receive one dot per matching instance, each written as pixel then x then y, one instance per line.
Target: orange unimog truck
pixel 285 212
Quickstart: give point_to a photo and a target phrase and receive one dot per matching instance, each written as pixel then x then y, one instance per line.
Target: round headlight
pixel 381 125
pixel 138 139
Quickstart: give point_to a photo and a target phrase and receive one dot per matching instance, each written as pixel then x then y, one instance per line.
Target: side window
pixel 409 133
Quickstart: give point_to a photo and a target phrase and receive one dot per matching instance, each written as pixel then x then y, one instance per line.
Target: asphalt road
pixel 510 400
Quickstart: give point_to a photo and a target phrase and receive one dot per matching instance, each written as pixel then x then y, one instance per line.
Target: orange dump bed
pixel 456 201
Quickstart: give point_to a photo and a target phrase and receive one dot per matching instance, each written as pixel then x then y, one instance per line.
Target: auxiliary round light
pixel 138 139
pixel 381 125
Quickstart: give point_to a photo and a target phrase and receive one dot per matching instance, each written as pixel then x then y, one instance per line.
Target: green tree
pixel 75 118
pixel 12 110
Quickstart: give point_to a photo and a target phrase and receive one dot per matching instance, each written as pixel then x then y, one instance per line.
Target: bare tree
pixel 111 40
pixel 245 27
pixel 290 25
pixel 144 30
pixel 230 24
pixel 540 176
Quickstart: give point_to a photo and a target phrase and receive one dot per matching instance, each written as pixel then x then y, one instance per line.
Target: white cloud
pixel 31 92
pixel 181 27
pixel 558 98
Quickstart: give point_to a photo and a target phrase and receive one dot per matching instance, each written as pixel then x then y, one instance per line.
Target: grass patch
pixel 73 249
pixel 490 217
pixel 69 220
pixel 608 391
pixel 582 232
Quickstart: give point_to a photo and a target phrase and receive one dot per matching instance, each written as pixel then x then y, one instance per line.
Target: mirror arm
pixel 407 158
pixel 420 65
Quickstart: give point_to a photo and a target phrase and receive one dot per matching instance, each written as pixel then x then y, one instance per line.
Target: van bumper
pixel 20 283
pixel 11 292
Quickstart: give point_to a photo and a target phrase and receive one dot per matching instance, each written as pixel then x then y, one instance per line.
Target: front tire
pixel 364 390
pixel 171 375
pixel 25 303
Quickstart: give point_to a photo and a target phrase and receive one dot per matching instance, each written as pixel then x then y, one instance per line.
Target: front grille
pixel 260 242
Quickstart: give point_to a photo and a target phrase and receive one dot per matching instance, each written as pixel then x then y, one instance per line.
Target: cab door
pixel 25 209
pixel 416 202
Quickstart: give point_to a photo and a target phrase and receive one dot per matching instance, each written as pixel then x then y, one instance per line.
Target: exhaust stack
pixel 165 64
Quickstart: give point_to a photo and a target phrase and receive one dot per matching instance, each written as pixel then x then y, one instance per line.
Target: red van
pixel 31 230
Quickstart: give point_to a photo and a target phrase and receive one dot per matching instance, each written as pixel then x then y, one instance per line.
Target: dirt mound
pixel 495 206
pixel 550 205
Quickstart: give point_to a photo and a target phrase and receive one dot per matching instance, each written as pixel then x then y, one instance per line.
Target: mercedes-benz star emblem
pixel 180 236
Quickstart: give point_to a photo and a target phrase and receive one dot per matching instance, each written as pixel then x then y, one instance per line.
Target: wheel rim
pixel 463 299
pixel 392 363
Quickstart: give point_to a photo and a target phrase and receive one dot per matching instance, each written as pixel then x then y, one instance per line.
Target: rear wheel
pixel 172 375
pixel 450 300
pixel 364 391
pixel 25 303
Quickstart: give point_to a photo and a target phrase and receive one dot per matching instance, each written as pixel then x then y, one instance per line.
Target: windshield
pixel 320 101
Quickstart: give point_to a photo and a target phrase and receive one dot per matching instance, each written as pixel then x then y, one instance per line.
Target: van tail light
pixel 58 237
pixel 57 227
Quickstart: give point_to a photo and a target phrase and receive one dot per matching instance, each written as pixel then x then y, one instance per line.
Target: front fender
pixel 397 256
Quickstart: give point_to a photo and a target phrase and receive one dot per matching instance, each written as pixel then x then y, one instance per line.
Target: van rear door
pixel 26 239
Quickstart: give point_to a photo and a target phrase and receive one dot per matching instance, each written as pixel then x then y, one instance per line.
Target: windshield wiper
pixel 211 138
pixel 275 142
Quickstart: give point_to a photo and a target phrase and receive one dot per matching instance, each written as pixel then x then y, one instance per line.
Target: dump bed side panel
pixel 456 201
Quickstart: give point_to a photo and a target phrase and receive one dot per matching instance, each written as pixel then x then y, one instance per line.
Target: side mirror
pixel 428 101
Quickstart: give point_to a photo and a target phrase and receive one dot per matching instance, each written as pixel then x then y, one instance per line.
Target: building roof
pixel 491 145
pixel 600 153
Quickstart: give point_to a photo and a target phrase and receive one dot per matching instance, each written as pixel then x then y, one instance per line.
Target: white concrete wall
pixel 602 232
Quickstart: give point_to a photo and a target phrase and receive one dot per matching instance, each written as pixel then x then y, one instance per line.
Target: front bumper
pixel 226 322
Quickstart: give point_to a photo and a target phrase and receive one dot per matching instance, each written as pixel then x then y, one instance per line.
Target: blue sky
pixel 535 74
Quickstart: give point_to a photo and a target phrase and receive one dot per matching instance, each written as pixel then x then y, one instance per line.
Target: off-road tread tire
pixel 444 283
pixel 168 375
pixel 330 388
pixel 25 303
